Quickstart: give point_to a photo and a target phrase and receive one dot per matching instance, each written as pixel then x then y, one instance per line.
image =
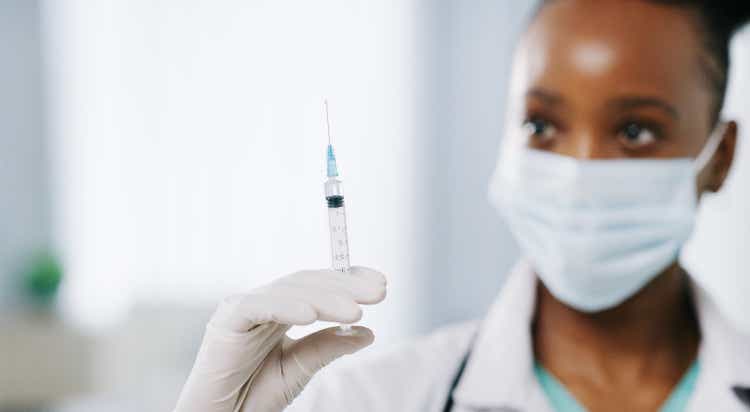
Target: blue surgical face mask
pixel 597 231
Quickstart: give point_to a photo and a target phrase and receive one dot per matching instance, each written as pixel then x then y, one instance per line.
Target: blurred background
pixel 156 155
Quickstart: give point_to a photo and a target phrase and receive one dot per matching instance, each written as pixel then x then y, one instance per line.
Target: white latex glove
pixel 247 363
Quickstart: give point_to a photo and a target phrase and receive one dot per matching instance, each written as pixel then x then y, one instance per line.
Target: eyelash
pixel 655 131
pixel 532 121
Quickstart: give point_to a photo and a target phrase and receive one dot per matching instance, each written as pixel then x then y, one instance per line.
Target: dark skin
pixel 593 79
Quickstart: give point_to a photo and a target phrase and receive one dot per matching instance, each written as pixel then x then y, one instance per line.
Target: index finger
pixel 365 286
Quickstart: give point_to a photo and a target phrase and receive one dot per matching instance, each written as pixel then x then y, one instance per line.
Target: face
pixel 605 79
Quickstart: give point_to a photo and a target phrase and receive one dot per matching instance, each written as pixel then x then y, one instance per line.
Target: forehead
pixel 594 48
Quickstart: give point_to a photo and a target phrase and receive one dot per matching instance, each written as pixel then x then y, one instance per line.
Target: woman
pixel 614 134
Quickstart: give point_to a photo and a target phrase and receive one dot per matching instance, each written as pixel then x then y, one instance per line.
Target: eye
pixel 539 129
pixel 634 135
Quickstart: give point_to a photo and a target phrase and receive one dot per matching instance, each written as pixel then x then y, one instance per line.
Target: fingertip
pixel 371 293
pixel 364 336
pixel 366 333
pixel 354 315
pixel 380 296
pixel 359 337
pixel 320 348
pixel 369 274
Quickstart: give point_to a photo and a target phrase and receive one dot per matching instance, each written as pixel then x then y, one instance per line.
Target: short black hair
pixel 718 21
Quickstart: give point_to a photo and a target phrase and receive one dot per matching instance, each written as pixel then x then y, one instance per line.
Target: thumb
pixel 308 355
pixel 275 387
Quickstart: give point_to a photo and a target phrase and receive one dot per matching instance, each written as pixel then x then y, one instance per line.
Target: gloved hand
pixel 247 363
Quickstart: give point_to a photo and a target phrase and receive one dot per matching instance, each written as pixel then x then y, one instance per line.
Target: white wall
pixel 24 206
pixel 470 247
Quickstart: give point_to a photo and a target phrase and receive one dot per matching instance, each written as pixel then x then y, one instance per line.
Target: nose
pixel 584 145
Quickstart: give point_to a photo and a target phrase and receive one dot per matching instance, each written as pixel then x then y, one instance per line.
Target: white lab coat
pixel 499 374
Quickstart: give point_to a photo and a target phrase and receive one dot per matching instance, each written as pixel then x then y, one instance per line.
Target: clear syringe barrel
pixel 337 225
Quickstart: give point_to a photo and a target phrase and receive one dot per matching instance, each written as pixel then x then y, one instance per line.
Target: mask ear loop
pixel 709 149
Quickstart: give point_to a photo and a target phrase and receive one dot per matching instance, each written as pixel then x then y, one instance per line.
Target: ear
pixel 719 166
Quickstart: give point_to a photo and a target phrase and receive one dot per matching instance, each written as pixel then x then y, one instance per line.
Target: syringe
pixel 336 216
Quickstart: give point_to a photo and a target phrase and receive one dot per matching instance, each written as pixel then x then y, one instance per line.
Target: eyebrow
pixel 619 103
pixel 636 102
pixel 551 98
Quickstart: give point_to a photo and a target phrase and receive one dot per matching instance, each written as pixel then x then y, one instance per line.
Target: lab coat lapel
pixel 724 380
pixel 499 372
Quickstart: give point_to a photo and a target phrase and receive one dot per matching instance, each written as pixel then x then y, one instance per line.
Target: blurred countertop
pixel 47 365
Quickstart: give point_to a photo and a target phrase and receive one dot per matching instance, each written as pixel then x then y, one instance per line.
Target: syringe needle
pixel 328 124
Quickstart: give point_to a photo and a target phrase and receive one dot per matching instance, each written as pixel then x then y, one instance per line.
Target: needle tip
pixel 328 123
